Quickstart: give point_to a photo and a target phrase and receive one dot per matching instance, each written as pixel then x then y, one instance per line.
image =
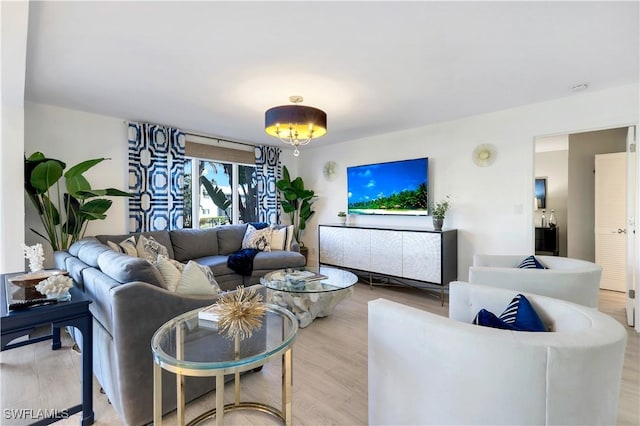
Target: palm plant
pixel 217 196
pixel 65 216
pixel 296 202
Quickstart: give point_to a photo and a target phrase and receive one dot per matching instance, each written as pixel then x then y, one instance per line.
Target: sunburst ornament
pixel 330 170
pixel 484 155
pixel 240 313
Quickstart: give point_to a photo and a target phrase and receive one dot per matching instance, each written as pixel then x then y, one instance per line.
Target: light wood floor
pixel 330 371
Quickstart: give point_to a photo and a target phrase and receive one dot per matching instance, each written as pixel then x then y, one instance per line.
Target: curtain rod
pixel 200 135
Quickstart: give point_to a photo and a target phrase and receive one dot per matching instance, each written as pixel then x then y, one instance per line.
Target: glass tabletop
pixel 309 280
pixel 190 344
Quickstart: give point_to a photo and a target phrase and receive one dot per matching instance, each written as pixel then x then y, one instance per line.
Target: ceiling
pixel 374 67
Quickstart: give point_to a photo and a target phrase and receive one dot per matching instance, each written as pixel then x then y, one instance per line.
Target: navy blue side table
pixel 75 313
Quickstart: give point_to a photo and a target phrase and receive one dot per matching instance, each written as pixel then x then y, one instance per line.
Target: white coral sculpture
pixel 35 254
pixel 55 284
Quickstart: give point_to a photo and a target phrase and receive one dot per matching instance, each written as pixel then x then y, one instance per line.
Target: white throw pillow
pixel 171 271
pixel 196 281
pixel 281 238
pixel 149 248
pixel 257 238
pixel 127 246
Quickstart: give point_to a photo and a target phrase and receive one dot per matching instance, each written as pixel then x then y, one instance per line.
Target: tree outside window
pixel 227 193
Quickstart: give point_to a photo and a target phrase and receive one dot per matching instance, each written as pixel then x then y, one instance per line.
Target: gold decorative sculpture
pixel 240 313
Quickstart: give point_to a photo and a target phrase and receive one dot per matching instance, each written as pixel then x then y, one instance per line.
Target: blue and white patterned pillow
pixel 519 316
pixel 150 249
pixel 531 263
pixel 257 238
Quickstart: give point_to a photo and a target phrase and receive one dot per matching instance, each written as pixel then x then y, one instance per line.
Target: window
pixel 226 193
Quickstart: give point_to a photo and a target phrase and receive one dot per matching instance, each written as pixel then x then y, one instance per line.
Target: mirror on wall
pixel 541 193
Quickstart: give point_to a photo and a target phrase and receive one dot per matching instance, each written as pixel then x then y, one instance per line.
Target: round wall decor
pixel 484 155
pixel 330 170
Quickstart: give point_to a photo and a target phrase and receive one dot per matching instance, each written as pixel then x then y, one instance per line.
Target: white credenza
pixel 415 254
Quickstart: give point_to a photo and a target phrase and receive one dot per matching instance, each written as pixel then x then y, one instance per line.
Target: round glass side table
pixel 190 346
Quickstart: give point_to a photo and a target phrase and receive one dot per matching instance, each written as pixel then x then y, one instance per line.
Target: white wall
pixel 553 165
pixel 14 18
pixel 491 206
pixel 74 136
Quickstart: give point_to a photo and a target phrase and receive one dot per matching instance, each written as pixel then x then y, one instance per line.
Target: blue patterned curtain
pixel 268 171
pixel 156 177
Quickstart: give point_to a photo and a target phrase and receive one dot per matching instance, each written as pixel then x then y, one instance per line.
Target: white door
pixel 611 219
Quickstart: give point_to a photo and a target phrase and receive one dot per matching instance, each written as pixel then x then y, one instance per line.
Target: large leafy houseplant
pixel 296 202
pixel 65 215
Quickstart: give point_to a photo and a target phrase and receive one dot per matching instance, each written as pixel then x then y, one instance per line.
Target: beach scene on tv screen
pixel 398 187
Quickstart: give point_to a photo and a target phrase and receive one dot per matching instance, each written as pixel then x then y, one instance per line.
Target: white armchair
pixel 568 279
pixel 428 369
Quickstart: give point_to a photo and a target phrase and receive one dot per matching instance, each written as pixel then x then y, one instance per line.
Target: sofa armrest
pixel 139 309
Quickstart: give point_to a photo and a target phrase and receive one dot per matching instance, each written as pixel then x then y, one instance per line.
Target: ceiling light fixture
pixel 295 124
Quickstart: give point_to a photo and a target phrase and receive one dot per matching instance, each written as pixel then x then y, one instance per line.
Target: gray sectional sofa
pixel 130 303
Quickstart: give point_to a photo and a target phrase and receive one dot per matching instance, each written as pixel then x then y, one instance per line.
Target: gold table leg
pixel 157 394
pixel 236 387
pixel 180 377
pixel 287 374
pixel 220 400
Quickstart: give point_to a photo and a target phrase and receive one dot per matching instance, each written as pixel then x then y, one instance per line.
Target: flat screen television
pixel 393 188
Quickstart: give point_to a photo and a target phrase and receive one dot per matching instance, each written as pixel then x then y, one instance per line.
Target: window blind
pixel 225 155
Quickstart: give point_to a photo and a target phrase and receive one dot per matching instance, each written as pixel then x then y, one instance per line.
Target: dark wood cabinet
pixel 547 241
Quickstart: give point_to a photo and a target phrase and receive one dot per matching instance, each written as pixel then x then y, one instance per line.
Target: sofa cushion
pixel 519 316
pixel 90 251
pixel 194 243
pixel 127 246
pixel 278 260
pixel 218 264
pixel 124 269
pixel 230 238
pixel 74 249
pixel 281 237
pixel 531 263
pixel 160 236
pixel 197 280
pixel 150 249
pixel 257 239
pixel 171 271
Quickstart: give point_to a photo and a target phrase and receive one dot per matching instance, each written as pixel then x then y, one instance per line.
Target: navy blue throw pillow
pixel 531 263
pixel 259 225
pixel 518 316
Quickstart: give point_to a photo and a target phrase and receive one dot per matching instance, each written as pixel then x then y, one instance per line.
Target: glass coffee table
pixel 309 292
pixel 190 346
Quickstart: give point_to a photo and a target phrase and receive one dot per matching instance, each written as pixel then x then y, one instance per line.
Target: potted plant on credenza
pixel 342 218
pixel 438 212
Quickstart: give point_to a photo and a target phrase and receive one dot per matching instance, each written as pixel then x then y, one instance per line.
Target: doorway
pixel 568 162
